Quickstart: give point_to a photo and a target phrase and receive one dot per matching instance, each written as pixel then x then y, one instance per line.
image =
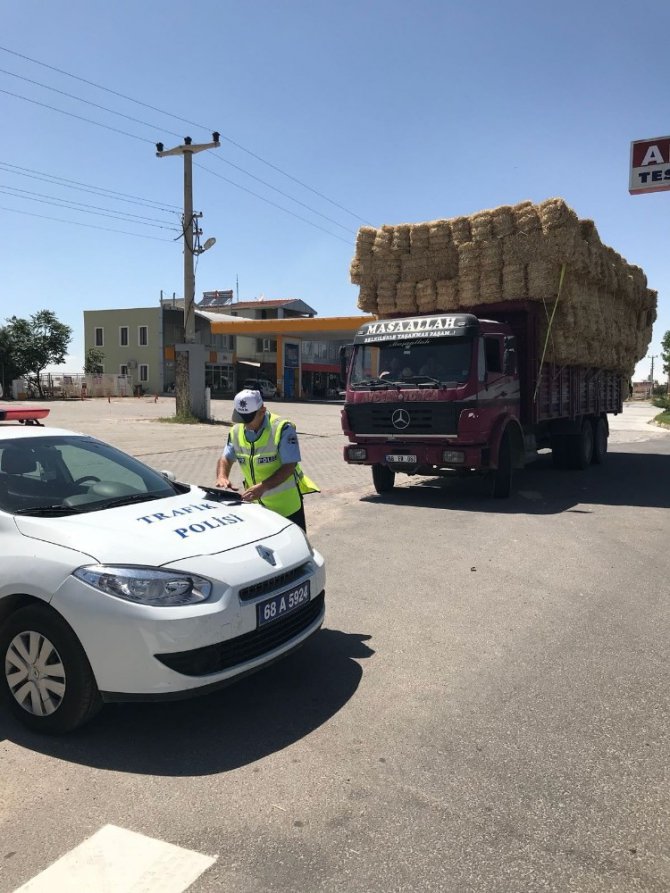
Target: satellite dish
pixel 208 244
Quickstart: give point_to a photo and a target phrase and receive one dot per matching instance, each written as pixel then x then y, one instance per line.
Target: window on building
pixel 143 336
pixel 100 337
pixel 144 372
pixel 123 369
pixel 123 336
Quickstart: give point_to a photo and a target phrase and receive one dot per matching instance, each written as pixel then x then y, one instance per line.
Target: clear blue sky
pixel 394 111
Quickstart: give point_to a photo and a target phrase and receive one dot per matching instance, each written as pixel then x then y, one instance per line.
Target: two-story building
pixel 280 340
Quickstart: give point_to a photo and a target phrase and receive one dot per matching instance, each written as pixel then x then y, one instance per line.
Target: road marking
pixel 114 860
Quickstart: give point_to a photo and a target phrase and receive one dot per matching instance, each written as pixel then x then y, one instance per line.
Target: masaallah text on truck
pixel 497 335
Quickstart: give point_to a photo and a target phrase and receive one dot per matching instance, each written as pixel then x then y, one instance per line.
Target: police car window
pixel 88 462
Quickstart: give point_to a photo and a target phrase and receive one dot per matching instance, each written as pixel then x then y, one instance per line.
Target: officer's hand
pixel 225 483
pixel 253 493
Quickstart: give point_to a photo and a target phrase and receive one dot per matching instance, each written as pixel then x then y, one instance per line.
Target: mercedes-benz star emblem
pixel 267 554
pixel 400 418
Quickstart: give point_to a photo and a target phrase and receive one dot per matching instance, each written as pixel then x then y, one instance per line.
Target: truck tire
pixel 580 447
pixel 383 478
pixel 502 476
pixel 600 435
pixel 559 451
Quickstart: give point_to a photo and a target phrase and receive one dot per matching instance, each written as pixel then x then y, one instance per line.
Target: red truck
pixel 468 392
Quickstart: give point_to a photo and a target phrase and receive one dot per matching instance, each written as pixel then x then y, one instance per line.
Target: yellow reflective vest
pixel 260 459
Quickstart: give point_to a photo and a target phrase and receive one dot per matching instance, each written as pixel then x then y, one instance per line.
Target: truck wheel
pixel 581 447
pixel 502 476
pixel 383 478
pixel 600 435
pixel 559 451
pixel 45 676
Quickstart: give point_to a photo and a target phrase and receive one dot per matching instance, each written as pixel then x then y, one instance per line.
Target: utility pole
pixel 189 397
pixel 651 376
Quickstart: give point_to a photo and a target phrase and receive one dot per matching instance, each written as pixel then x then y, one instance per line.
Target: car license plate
pixel 282 604
pixel 401 457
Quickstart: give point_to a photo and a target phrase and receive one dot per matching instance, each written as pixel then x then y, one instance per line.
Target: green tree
pixel 93 361
pixel 38 342
pixel 9 369
pixel 665 353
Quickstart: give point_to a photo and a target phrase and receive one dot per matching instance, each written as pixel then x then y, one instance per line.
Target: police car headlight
pixel 146 585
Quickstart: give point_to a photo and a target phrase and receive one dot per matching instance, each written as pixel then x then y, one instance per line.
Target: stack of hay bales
pixel 605 311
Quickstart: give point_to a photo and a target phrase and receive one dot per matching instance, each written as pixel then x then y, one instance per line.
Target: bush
pixel 663 402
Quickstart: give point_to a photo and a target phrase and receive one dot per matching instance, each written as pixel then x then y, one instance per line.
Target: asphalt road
pixel 486 710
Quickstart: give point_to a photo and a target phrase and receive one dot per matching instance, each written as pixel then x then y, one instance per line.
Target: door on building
pixel 289 383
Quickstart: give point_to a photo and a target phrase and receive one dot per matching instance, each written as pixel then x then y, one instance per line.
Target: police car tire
pixel 81 700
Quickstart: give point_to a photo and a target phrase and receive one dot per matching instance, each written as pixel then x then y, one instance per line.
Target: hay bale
pixel 514 286
pixel 504 223
pixel 426 296
pixel 555 214
pixel 542 279
pixel 419 234
pixel 605 311
pixel 400 242
pixel 460 230
pixel 526 218
pixel 439 236
pixel 447 295
pixel 481 226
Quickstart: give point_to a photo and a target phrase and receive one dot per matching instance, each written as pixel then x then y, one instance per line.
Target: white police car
pixel 118 584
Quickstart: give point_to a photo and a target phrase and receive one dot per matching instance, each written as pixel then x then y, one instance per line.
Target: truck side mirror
pixel 509 361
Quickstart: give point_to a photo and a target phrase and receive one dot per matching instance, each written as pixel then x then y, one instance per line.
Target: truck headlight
pixel 357 454
pixel 453 457
pixel 146 585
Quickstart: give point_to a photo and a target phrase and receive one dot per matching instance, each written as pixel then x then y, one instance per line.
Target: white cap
pixel 248 401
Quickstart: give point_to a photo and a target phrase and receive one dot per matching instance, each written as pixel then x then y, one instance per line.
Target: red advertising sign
pixel 649 165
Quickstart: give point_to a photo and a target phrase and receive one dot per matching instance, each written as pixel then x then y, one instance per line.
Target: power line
pixel 83 210
pixel 66 201
pixel 274 204
pixel 185 121
pixel 95 105
pixel 285 194
pixel 55 180
pixel 87 225
pixel 78 117
pixel 173 133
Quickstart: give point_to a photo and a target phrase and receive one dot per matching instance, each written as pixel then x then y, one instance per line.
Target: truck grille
pixel 224 655
pixel 424 418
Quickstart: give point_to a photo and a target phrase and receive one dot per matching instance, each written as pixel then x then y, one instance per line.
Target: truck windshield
pixel 411 363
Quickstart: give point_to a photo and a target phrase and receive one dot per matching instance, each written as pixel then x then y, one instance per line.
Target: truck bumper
pixel 416 458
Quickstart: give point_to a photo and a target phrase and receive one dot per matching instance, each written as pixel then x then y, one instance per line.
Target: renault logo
pixel 400 418
pixel 267 554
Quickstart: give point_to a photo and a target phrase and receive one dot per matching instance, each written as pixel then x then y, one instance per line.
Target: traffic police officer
pixel 266 446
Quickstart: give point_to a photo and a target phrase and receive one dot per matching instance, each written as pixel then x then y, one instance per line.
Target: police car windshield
pixel 437 362
pixel 59 475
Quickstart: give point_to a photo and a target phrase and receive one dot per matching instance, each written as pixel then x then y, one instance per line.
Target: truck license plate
pixel 401 457
pixel 282 604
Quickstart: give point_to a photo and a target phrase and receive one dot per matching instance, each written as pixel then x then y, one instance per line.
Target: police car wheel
pixel 46 679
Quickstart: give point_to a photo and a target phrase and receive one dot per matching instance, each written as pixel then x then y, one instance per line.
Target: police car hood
pixel 156 532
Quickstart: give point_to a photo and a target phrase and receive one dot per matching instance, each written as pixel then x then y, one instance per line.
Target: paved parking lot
pixel 485 709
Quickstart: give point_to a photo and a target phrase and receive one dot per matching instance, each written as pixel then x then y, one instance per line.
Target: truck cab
pixel 434 395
